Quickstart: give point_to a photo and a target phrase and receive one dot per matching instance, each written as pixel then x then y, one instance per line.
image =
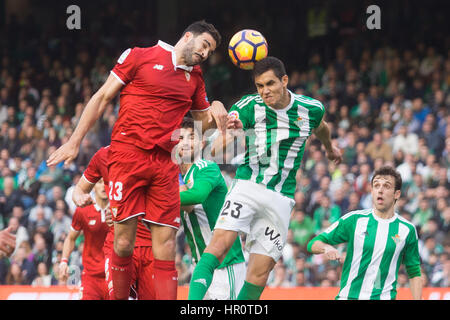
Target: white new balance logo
pixel 158 67
pixel 202 281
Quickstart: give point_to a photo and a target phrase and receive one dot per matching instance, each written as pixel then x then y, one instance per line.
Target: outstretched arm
pixel 81 193
pixel 93 110
pixel 324 135
pixel 214 117
pixel 320 247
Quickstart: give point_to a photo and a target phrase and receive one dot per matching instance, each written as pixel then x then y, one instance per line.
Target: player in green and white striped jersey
pixel 202 195
pixel 379 241
pixel 277 124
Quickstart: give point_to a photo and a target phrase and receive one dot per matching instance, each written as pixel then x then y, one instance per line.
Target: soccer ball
pixel 246 47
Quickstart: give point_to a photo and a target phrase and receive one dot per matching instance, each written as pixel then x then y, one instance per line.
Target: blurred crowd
pixel 386 104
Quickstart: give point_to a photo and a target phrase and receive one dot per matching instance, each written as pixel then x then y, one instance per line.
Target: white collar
pixel 102 211
pixel 171 49
pixel 379 219
pixel 97 207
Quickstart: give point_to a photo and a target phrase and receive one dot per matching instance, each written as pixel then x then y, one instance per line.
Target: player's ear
pixel 188 36
pixel 285 80
pixel 397 195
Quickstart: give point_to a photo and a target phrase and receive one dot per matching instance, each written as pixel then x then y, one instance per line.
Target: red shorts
pixel 141 274
pixel 93 288
pixel 143 182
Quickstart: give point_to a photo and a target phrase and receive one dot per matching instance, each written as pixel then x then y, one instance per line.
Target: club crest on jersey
pixel 114 211
pixel 396 239
pixel 234 114
pixel 299 122
pixel 188 75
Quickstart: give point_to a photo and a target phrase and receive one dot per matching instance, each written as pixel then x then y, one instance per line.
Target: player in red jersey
pixel 91 220
pixel 142 255
pixel 159 86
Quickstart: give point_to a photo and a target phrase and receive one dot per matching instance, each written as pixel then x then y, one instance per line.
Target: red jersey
pixel 156 96
pixel 92 221
pixel 97 169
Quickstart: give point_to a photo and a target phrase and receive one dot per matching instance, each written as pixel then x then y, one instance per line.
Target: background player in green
pixel 379 240
pixel 277 124
pixel 203 191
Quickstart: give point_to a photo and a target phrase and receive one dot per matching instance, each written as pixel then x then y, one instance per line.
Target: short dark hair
pixel 199 27
pixel 187 123
pixel 389 171
pixel 269 63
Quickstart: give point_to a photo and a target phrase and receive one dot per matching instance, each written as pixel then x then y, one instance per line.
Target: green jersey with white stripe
pixel 376 249
pixel 206 184
pixel 275 139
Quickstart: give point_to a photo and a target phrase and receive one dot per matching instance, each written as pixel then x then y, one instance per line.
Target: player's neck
pixel 284 102
pixel 184 167
pixel 102 203
pixel 389 213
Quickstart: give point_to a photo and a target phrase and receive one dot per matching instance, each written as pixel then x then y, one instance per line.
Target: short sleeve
pixel 126 66
pixel 239 113
pixel 411 255
pixel 335 234
pixel 92 172
pixel 316 114
pixel 200 99
pixel 77 220
pixel 210 173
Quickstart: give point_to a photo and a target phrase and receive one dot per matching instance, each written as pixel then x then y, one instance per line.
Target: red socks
pixel 121 276
pixel 165 279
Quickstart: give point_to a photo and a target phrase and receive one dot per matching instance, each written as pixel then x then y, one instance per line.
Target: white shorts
pixel 227 282
pixel 261 213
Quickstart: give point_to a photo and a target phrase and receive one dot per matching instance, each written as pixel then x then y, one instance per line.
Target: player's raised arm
pixel 214 117
pixel 94 108
pixel 323 134
pixel 81 193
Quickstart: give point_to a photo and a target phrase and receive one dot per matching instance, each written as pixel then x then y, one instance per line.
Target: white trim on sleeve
pixel 117 77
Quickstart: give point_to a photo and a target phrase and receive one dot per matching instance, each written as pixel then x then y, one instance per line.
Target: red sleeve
pixel 77 220
pixel 93 173
pixel 126 65
pixel 200 100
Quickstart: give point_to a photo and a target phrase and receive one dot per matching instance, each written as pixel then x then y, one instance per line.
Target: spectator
pixel 302 227
pixel 20 232
pixel 40 251
pixel 60 224
pixel 423 213
pixel 29 188
pixel 15 275
pixel 326 214
pixel 9 197
pixel 42 278
pixel 41 203
pixel 24 261
pixel 407 142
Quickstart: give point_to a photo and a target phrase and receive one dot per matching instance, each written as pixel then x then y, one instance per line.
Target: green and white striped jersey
pixel 376 249
pixel 205 181
pixel 275 139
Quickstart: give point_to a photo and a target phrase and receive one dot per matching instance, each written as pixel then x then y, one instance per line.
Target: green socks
pixel 250 291
pixel 202 276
